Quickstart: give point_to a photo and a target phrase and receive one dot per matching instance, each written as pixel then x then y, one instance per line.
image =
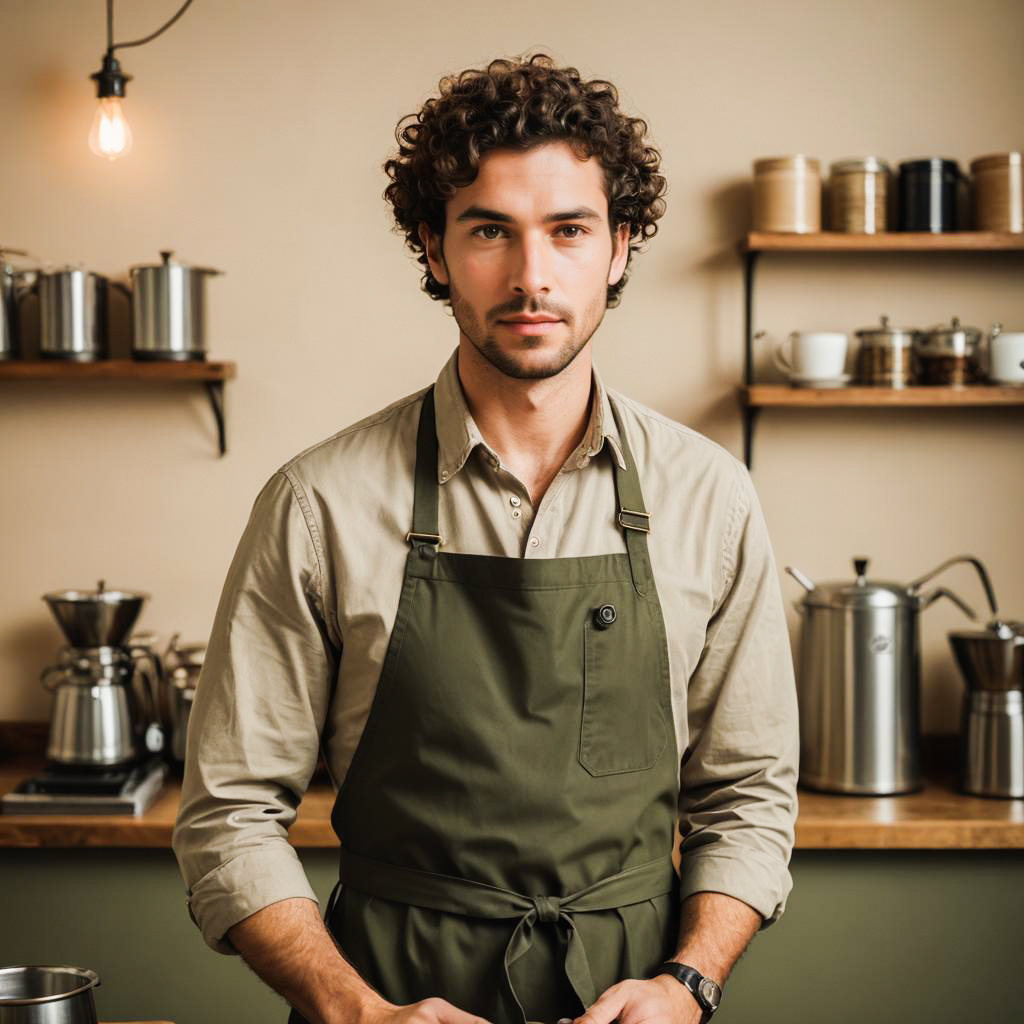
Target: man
pixel 529 621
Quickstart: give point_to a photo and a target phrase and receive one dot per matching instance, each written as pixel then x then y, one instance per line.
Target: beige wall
pixel 260 129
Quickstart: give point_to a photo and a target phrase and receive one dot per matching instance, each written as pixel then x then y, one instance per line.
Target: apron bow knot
pixel 549 908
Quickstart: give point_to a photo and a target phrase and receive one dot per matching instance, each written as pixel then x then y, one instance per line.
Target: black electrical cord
pixel 112 46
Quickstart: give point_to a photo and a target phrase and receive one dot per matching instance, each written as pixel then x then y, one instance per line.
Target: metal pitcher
pixel 859 680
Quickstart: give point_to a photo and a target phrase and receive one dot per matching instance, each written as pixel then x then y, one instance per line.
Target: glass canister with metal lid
pixel 949 356
pixel 886 355
pixel 858 196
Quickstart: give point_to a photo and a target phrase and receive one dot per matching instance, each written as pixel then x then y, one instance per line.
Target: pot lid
pixel 168 261
pixel 860 593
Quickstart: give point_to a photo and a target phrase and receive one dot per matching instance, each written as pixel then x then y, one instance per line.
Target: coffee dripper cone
pixel 95 618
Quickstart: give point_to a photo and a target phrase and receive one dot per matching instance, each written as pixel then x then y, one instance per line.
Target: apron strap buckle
pixel 632 520
pixel 429 538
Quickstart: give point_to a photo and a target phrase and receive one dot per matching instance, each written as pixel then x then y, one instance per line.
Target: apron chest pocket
pixel 623 727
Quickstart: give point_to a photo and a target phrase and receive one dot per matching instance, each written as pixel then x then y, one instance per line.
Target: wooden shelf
pixel 117 369
pixel 782 395
pixel 936 818
pixel 209 373
pixel 893 241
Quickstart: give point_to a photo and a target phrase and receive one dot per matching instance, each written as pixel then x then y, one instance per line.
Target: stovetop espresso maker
pixel 105 690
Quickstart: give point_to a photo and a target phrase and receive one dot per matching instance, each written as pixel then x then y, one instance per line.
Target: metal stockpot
pixel 72 313
pixel 169 310
pixel 859 680
pixel 47 995
pixel 10 347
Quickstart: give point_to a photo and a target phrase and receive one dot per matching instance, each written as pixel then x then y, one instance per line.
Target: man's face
pixel 529 240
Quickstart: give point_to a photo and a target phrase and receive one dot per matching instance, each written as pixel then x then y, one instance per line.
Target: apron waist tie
pixel 454 895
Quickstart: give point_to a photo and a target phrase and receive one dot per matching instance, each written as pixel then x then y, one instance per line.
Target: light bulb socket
pixel 110 79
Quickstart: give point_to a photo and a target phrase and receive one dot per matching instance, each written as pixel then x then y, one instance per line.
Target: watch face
pixel 711 992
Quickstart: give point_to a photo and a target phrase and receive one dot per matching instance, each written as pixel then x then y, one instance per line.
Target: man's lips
pixel 530 320
pixel 526 325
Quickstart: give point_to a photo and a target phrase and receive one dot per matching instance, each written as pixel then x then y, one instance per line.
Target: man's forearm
pixel 713 933
pixel 287 945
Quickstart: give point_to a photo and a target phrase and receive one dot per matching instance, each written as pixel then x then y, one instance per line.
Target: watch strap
pixel 691 978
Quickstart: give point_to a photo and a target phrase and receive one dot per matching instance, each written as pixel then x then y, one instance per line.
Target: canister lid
pixel 787 163
pixel 884 336
pixel 954 339
pixel 860 164
pixel 930 165
pixel 996 161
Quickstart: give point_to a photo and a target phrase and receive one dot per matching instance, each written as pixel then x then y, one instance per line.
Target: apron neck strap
pixel 424 507
pixel 632 515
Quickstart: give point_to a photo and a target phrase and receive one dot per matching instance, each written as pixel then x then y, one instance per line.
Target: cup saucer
pixel 800 381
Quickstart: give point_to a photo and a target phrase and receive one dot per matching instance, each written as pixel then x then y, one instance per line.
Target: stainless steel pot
pixel 859 680
pixel 47 995
pixel 169 310
pixel 10 347
pixel 184 663
pixel 72 312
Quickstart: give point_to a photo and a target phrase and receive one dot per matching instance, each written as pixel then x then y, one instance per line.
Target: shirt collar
pixel 458 434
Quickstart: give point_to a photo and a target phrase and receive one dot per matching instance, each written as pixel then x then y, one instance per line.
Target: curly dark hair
pixel 518 104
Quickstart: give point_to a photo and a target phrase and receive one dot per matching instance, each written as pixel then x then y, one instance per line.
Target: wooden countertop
pixel 938 818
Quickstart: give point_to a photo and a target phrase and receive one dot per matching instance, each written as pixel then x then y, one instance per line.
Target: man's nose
pixel 531 270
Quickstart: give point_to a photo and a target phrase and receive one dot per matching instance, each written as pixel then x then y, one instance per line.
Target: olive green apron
pixel 508 816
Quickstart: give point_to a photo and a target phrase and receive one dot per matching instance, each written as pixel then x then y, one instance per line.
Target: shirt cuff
pixel 239 887
pixel 757 880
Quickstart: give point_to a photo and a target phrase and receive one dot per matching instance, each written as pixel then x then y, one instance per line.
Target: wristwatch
pixel 707 993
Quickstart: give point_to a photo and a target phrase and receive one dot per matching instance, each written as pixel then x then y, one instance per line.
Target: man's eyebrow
pixel 482 213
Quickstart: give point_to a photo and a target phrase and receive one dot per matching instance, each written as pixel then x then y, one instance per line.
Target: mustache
pixel 530 307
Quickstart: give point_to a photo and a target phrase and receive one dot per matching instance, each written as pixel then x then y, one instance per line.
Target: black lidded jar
pixel 932 195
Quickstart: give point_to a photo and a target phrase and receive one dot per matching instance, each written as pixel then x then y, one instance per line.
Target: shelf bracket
pixel 750 415
pixel 215 392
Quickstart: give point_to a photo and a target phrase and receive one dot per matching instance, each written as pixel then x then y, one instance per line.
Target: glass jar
pixel 858 195
pixel 886 355
pixel 787 195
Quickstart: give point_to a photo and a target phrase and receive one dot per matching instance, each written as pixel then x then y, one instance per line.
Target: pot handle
pixel 982 572
pixel 938 592
pixel 47 674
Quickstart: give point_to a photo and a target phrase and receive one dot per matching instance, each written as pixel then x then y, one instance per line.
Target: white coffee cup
pixel 1005 353
pixel 812 355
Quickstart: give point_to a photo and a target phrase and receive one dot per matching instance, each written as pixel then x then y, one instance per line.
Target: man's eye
pixel 577 230
pixel 485 228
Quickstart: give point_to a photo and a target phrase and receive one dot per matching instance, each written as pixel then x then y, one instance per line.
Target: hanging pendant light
pixel 111 135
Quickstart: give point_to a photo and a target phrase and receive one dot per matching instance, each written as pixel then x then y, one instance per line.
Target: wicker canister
pixel 998 192
pixel 858 193
pixel 787 194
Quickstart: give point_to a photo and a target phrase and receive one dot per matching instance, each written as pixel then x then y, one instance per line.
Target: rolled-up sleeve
pixel 254 729
pixel 738 802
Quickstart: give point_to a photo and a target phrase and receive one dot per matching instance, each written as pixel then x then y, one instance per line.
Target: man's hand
pixel 428 1011
pixel 661 1000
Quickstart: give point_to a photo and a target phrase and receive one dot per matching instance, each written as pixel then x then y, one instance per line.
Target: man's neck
pixel 533 425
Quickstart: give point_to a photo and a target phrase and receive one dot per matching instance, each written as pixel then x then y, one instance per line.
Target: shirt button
pixel 534 541
pixel 514 501
pixel 582 461
pixel 445 474
pixel 516 513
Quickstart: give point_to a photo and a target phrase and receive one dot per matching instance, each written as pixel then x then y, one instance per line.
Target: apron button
pixel 604 616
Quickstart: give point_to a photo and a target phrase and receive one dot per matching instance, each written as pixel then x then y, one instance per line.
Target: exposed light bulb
pixel 110 135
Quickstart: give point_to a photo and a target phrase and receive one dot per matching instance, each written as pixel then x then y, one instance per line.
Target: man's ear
pixel 620 254
pixel 435 256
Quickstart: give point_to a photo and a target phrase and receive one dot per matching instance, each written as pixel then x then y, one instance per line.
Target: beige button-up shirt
pixel 307 609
